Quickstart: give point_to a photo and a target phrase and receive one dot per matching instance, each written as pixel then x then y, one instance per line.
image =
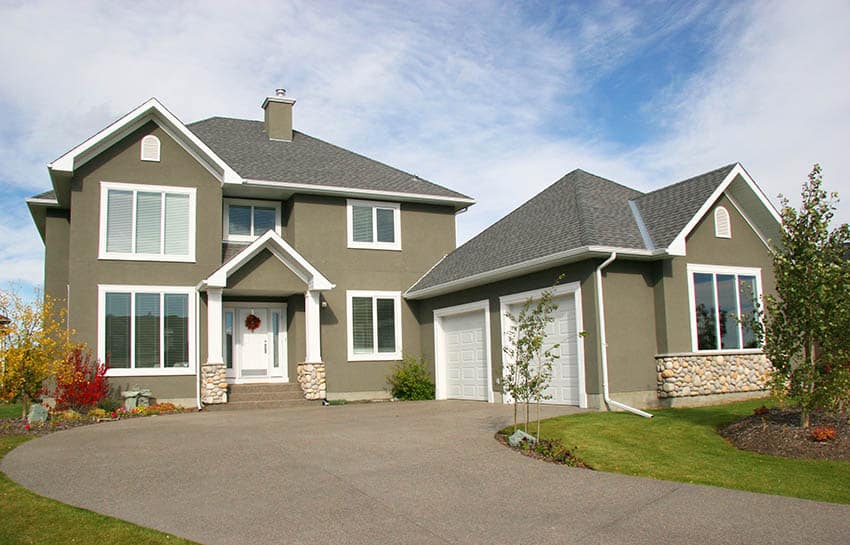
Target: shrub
pixel 108 404
pixel 761 411
pixel 85 383
pixel 823 433
pixel 553 450
pixel 70 415
pixel 97 413
pixel 410 380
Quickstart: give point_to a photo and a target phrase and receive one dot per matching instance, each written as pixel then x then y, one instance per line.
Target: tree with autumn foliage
pixel 35 343
pixel 805 326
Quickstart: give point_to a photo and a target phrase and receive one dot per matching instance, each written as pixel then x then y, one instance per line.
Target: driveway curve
pixel 426 472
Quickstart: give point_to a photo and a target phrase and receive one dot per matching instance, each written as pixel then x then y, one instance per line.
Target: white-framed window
pixel 722 300
pixel 150 148
pixel 146 330
pixel 246 220
pixel 722 224
pixel 374 325
pixel 147 222
pixel 374 225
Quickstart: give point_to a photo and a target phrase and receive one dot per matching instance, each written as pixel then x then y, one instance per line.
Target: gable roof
pixel 307 161
pixel 583 215
pixel 666 211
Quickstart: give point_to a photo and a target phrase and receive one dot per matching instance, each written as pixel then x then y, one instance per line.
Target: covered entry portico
pixel 248 319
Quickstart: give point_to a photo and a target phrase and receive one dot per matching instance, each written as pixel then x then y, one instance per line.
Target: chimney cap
pixel 280 92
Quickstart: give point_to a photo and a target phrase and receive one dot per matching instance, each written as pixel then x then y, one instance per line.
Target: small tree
pixel 33 348
pixel 805 327
pixel 528 368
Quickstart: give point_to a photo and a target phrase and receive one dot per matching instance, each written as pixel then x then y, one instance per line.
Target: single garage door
pixel 465 356
pixel 564 386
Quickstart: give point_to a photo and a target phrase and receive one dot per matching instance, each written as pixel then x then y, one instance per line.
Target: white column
pixel 313 325
pixel 214 326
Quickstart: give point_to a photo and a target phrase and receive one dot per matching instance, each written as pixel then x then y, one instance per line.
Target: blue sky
pixel 496 100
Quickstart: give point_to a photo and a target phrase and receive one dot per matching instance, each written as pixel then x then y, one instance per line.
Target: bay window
pixel 723 302
pixel 147 223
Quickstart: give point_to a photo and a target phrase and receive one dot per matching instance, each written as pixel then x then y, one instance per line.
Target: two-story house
pixel 195 257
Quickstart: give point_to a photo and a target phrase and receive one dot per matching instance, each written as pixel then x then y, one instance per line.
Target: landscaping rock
pixel 37 415
pixel 518 436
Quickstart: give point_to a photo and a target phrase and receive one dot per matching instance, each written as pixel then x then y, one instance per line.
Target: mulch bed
pixel 778 433
pixel 18 426
pixel 503 439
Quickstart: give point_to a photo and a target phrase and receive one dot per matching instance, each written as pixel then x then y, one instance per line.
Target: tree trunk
pixel 805 418
pixel 25 401
pixel 515 413
pixel 538 419
pixel 527 413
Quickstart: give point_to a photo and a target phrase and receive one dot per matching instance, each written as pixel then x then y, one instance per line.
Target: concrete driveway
pixel 385 473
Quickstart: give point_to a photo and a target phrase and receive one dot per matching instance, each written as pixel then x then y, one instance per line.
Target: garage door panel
pixel 465 355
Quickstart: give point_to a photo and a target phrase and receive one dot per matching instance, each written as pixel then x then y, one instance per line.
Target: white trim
pixel 677 247
pixel 154 153
pixel 282 100
pixel 722 222
pixel 312 327
pixel 342 191
pixel 235 371
pixel 440 363
pixel 103 289
pixel 644 231
pixel 715 270
pixel 253 203
pixel 271 241
pixel 532 265
pixel 571 288
pixel 375 355
pixel 135 188
pixel 150 110
pixel 374 244
pixel 215 327
pixel 42 202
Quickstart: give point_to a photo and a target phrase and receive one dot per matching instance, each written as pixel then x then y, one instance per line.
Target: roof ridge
pixel 690 179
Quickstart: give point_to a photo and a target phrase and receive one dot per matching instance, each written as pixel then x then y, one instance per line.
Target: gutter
pixel 600 306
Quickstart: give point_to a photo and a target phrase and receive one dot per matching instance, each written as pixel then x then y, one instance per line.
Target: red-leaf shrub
pixel 823 433
pixel 761 411
pixel 85 385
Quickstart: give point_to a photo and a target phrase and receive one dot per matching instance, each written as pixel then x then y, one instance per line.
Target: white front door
pixel 257 353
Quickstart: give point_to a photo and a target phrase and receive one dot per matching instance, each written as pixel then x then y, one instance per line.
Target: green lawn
pixel 31 519
pixel 683 445
pixel 10 410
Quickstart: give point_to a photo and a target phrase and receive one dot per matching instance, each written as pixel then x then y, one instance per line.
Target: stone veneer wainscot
pixel 689 374
pixel 213 383
pixel 311 377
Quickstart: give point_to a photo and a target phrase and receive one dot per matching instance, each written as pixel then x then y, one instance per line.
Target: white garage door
pixel 564 386
pixel 465 356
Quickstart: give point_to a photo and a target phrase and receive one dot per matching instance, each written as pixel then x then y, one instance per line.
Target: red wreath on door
pixel 252 322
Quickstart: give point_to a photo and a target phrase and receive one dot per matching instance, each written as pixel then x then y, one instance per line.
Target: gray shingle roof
pixel 666 211
pixel 578 210
pixel 46 195
pixel 244 145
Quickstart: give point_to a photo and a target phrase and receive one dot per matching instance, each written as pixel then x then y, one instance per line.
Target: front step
pixel 262 396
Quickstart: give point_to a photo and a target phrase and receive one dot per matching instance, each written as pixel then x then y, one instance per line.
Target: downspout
pixel 198 350
pixel 600 306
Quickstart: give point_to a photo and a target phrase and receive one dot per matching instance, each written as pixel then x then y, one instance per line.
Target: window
pixel 228 339
pixel 722 300
pixel 147 223
pixel 374 325
pixel 375 225
pixel 722 225
pixel 244 220
pixel 146 330
pixel 150 148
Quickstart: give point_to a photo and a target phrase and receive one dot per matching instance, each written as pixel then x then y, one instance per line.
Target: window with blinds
pixel 244 220
pixel 374 328
pixel 147 223
pixel 146 329
pixel 374 225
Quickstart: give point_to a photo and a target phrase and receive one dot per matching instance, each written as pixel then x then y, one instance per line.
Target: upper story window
pixel 722 225
pixel 375 225
pixel 245 220
pixel 723 299
pixel 150 148
pixel 147 222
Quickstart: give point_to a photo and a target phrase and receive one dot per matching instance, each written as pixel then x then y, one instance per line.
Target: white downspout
pixel 600 305
pixel 198 350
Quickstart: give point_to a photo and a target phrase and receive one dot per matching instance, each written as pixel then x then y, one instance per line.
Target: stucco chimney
pixel 278 120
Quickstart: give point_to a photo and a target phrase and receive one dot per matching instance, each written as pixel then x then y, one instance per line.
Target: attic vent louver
pixel 722 225
pixel 150 148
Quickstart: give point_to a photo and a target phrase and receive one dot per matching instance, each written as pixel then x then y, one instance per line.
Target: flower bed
pixel 63 420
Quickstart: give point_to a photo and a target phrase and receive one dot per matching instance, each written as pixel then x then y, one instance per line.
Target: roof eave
pixel 533 265
pixel 38 211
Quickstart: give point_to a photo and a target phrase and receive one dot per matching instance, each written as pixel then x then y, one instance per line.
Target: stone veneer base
pixel 691 374
pixel 311 377
pixel 213 383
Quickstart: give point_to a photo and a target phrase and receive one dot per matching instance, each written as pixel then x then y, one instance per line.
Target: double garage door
pixel 466 362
